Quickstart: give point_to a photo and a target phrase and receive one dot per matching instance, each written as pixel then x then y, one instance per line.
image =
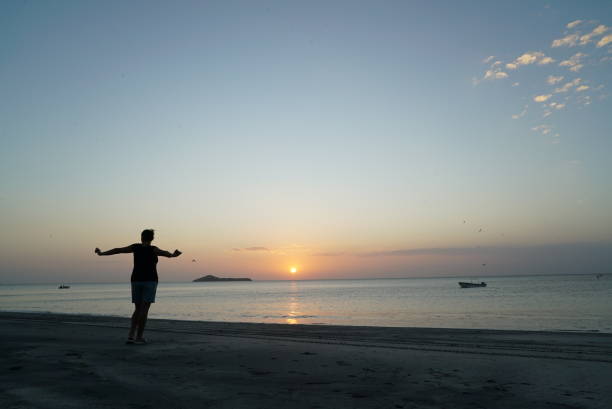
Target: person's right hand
pixel 176 253
pixel 97 251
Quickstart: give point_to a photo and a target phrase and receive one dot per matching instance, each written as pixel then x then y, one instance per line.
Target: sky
pixel 345 139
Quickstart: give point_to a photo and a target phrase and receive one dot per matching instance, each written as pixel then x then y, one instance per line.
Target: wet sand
pixel 72 361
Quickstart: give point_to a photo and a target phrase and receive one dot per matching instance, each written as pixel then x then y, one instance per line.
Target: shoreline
pixel 126 316
pixel 594 346
pixel 68 361
pixel 54 315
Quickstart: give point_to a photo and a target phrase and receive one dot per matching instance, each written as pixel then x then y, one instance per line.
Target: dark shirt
pixel 145 263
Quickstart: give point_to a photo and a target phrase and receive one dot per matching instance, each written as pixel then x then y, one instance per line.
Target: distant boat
pixel 463 284
pixel 63 286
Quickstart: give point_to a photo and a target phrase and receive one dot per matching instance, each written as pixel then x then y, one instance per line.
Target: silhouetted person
pixel 144 280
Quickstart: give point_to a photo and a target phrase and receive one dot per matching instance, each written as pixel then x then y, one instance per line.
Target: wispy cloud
pixel 589 37
pixel 569 40
pixel 527 58
pixel 542 98
pixel 488 59
pixel 493 74
pixel 282 250
pixel 552 80
pixel 600 29
pixel 330 254
pixel 405 252
pixel 545 60
pixel 574 62
pixel 604 41
pixel 543 129
pixel 573 39
pixel 422 251
pixel 254 248
pixel 597 31
pixel 556 105
pixel 531 57
pixel 496 72
pixel 568 85
pixel 515 258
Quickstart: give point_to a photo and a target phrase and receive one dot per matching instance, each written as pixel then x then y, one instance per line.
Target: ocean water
pixel 575 303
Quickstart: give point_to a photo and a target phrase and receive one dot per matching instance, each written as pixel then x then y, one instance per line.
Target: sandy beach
pixel 73 361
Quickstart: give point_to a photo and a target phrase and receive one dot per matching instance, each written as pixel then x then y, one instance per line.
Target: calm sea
pixel 578 303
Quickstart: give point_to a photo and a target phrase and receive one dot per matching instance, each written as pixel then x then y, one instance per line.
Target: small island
pixel 213 278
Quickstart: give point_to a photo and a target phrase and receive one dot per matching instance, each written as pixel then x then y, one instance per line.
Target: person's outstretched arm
pixel 165 253
pixel 118 250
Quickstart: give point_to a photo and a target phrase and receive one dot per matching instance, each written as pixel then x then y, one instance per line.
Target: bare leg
pixel 134 325
pixel 142 318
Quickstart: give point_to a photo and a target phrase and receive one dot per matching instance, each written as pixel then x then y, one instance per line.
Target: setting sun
pixel 293 270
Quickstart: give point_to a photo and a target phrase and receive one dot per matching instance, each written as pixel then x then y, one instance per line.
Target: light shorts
pixel 143 291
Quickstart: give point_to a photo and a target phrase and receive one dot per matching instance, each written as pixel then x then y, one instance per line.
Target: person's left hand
pixel 176 253
pixel 97 251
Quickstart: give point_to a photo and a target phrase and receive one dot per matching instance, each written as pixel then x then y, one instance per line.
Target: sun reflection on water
pixel 293 304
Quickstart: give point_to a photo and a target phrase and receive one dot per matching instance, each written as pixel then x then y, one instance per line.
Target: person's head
pixel 147 235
